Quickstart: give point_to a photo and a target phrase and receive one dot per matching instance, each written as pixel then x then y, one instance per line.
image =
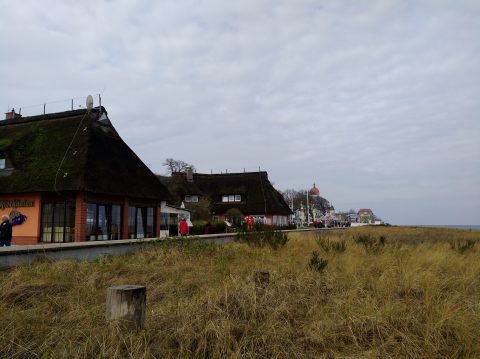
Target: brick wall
pixel 80 217
pixel 25 240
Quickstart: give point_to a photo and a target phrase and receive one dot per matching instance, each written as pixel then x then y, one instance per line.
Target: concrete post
pixel 126 305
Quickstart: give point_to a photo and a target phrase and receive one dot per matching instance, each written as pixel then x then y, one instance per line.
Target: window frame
pixel 149 219
pixel 67 219
pixel 191 198
pixel 231 198
pixel 3 160
pixel 109 220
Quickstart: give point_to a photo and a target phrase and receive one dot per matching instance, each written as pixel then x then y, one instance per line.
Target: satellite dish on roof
pixel 89 102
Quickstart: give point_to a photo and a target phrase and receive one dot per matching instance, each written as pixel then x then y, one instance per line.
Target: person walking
pixel 5 232
pixel 249 221
pixel 183 227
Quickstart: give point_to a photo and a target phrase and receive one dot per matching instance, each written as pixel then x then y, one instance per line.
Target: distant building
pixel 365 215
pixel 68 177
pixel 251 193
pixel 314 191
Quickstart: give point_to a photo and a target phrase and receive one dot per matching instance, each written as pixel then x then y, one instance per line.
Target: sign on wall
pixel 16 203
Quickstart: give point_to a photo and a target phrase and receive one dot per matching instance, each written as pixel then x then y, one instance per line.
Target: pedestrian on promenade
pixel 5 232
pixel 183 227
pixel 249 221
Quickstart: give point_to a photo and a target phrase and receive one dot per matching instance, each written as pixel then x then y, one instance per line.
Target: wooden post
pixel 126 305
pixel 262 279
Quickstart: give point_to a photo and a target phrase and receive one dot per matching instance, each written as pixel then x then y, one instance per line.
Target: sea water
pixel 474 227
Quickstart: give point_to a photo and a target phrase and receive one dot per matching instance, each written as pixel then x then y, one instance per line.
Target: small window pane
pixel 188 198
pixel 238 198
pixel 194 198
pixel 70 223
pixel 164 222
pixel 225 199
pixel 91 222
pixel 231 198
pixel 58 222
pixel 2 163
pixel 102 226
pixel 141 222
pixel 150 223
pixel 47 217
pixel 116 222
pixel 132 213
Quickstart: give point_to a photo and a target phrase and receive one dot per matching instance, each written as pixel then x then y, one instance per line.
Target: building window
pixel 191 198
pixel 141 222
pixel 164 221
pixel 259 219
pixel 3 160
pixel 103 221
pixel 279 220
pixel 232 198
pixel 58 222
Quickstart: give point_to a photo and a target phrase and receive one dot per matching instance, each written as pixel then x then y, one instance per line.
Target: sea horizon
pixel 472 227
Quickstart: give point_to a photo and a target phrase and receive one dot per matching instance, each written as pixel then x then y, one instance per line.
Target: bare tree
pixel 175 166
pixel 297 198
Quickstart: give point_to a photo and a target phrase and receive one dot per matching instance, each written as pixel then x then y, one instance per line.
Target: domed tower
pixel 314 191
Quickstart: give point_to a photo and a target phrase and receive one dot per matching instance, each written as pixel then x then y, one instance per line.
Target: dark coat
pixel 6 231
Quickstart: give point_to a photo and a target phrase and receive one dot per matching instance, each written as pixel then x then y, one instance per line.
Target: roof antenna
pixel 89 102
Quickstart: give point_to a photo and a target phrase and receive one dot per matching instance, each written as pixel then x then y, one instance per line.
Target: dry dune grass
pixel 416 295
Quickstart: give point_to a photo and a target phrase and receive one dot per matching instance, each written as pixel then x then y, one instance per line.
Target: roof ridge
pixel 228 174
pixel 52 116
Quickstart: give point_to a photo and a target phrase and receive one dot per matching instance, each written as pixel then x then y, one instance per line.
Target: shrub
pixel 370 243
pixel 330 245
pixel 316 263
pixel 234 216
pixel 463 246
pixel 219 227
pixel 198 228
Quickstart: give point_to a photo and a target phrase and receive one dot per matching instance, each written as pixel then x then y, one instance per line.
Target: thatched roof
pixel 39 157
pixel 258 194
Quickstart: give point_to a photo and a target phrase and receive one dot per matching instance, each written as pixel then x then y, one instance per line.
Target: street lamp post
pixel 308 212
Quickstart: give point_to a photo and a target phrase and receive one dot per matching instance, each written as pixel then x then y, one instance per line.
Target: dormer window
pixel 232 198
pixel 191 198
pixel 3 160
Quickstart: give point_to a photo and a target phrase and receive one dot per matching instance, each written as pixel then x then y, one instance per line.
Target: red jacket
pixel 183 227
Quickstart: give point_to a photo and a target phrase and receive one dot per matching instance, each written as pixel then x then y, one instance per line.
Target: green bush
pixel 234 216
pixel 316 263
pixel 330 245
pixel 370 243
pixel 219 227
pixel 198 227
pixel 463 246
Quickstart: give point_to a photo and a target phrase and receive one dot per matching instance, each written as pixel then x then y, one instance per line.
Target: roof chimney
pixel 189 173
pixel 9 116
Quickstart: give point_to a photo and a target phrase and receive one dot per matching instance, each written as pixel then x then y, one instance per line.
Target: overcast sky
pixel 377 102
